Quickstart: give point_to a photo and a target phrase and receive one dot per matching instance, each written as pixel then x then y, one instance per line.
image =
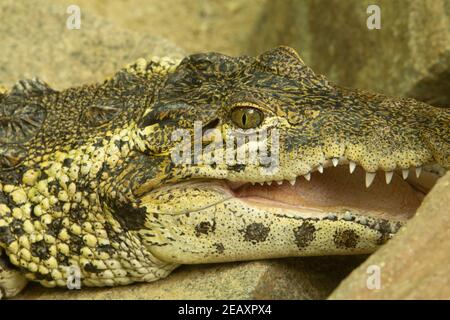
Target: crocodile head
pixel 264 158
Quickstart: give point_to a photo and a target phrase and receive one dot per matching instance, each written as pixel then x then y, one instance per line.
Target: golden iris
pixel 247 117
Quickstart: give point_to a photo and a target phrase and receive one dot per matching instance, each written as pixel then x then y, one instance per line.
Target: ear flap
pixel 285 61
pixel 165 113
pixel 164 119
pixel 157 124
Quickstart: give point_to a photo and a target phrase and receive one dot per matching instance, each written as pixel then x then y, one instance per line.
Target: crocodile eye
pixel 246 117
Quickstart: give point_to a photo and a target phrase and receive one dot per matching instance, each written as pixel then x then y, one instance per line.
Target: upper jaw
pixel 422 177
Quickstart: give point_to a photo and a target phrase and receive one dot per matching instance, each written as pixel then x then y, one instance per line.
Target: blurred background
pixel 408 56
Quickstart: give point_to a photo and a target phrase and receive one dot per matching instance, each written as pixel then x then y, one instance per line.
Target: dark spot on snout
pixel 256 232
pixel 204 227
pixel 345 238
pixel 304 234
pixel 219 247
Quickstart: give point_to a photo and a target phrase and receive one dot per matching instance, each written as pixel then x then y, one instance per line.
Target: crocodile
pixel 104 184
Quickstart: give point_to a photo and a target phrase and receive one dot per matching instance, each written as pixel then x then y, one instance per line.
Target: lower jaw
pixel 332 214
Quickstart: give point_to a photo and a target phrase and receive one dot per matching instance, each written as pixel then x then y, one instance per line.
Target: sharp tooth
pixel 261 183
pixel 335 161
pixel 389 175
pixel 280 182
pixel 320 168
pixel 292 182
pixel 269 183
pixel 253 183
pixel 405 173
pixel 352 166
pixel 307 176
pixel 418 171
pixel 369 178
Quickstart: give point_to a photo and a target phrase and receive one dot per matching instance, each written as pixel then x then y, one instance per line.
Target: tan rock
pixel 416 263
pixel 408 56
pixel 296 278
pixel 36 42
pixel 197 26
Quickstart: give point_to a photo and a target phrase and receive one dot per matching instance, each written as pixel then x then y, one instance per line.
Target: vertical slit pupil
pixel 244 119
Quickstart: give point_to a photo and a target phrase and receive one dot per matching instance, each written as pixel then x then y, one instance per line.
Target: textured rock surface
pixel 416 263
pixel 409 56
pixel 200 25
pixel 306 278
pixel 36 42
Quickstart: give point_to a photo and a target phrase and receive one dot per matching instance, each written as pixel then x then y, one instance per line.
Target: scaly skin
pixel 87 177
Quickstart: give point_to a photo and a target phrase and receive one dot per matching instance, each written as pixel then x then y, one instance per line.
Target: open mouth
pixel 333 210
pixel 392 196
pixel 335 190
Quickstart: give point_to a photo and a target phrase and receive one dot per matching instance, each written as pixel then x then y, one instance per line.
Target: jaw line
pixel 231 190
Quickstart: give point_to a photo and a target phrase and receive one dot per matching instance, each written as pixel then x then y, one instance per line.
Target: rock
pixel 197 26
pixel 293 278
pixel 408 56
pixel 36 42
pixel 415 264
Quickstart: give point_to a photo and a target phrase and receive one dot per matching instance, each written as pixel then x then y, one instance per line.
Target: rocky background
pixel 409 56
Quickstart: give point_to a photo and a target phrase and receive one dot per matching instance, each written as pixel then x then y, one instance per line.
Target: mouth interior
pixel 335 190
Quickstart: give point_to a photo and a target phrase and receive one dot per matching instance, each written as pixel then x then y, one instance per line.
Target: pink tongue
pixel 336 187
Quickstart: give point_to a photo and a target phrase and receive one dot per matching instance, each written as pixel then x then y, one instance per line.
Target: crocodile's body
pixel 88 180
